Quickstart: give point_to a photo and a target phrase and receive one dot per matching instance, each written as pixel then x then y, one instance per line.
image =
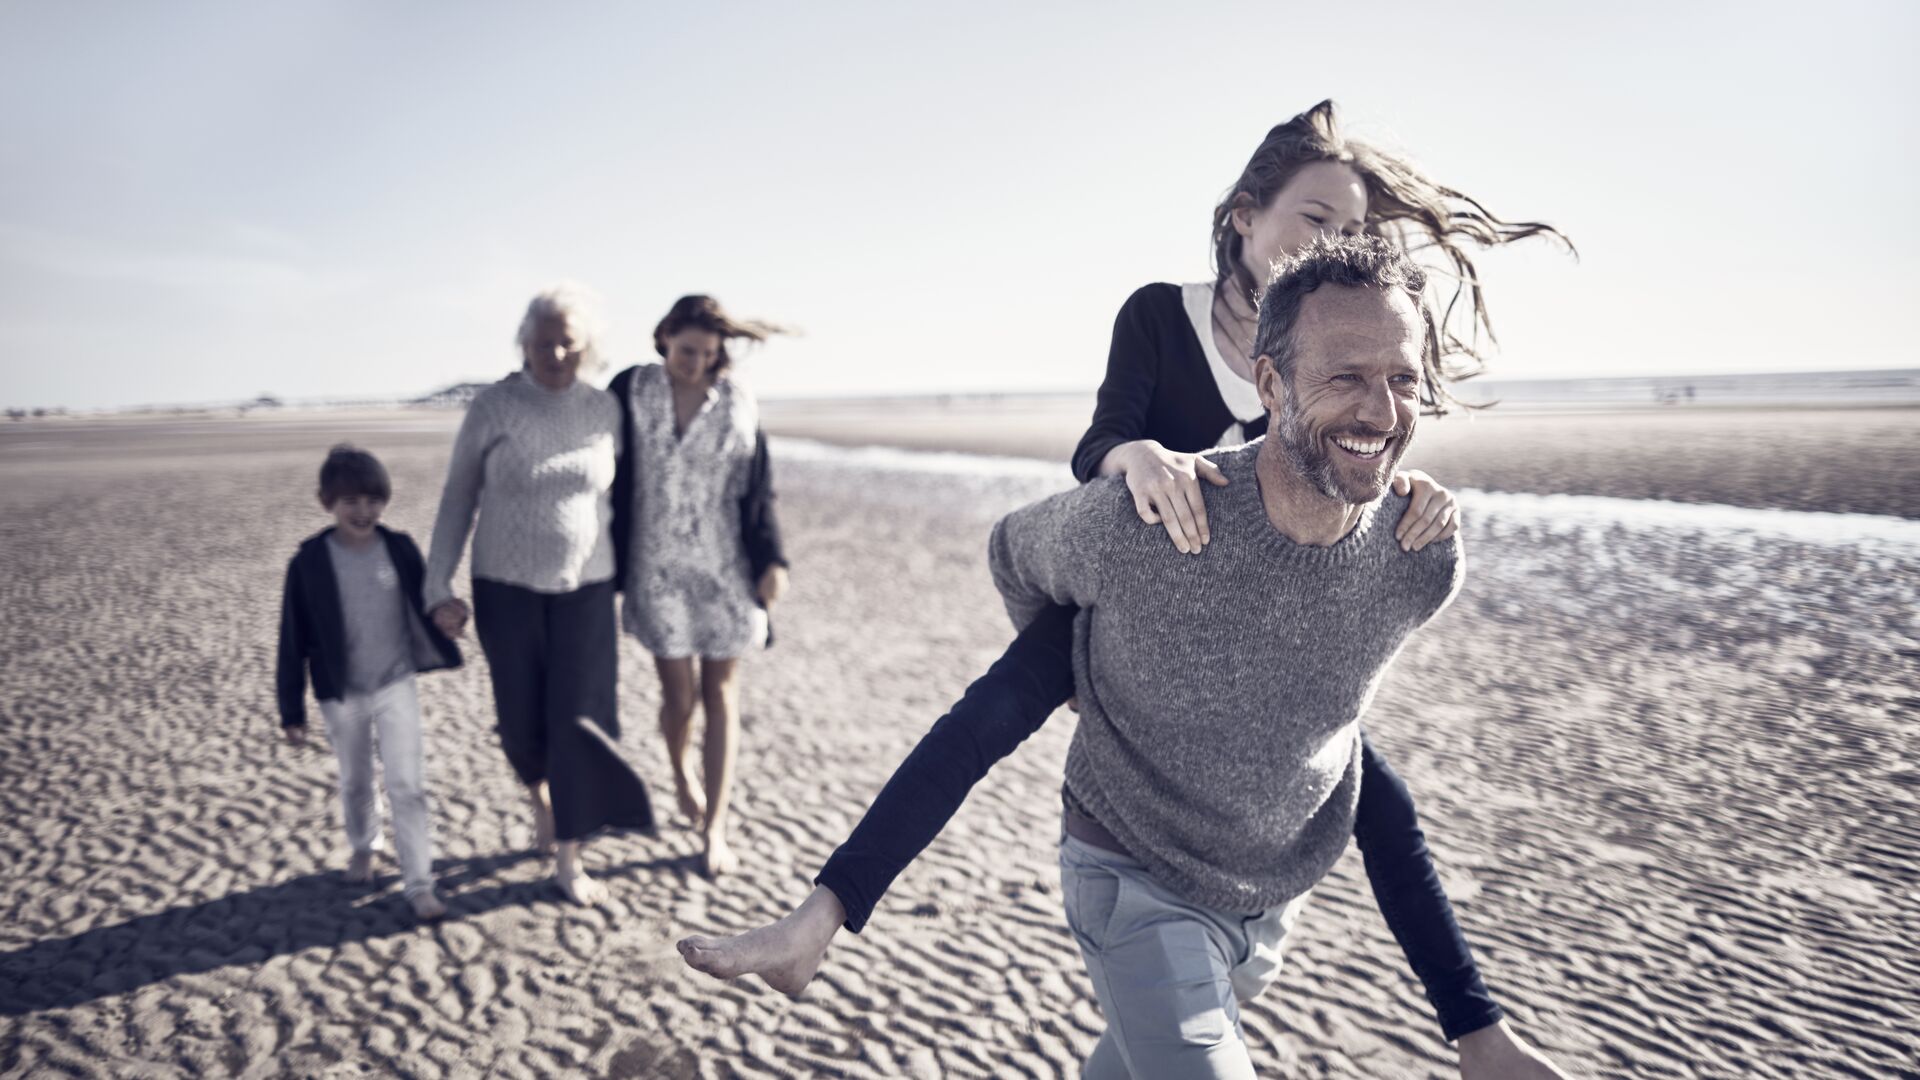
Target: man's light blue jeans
pixel 1170 975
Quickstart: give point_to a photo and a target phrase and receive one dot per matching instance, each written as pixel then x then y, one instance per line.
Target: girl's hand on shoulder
pixel 1166 491
pixel 1433 514
pixel 772 585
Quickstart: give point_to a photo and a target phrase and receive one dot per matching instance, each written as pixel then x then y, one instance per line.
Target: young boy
pixel 352 615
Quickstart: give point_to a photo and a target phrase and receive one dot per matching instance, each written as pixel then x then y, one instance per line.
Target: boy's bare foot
pixel 786 953
pixel 360 867
pixel 719 858
pixel 571 876
pixel 428 906
pixel 542 818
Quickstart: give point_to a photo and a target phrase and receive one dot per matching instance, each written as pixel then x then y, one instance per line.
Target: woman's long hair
pixel 1405 206
pixel 699 312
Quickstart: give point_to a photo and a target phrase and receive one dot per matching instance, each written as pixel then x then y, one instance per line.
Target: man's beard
pixel 1310 457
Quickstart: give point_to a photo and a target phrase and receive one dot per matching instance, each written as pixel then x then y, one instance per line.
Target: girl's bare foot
pixel 360 867
pixel 542 818
pixel 571 876
pixel 786 953
pixel 428 906
pixel 719 858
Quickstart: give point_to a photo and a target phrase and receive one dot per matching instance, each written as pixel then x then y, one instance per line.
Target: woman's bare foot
pixel 571 876
pixel 428 906
pixel 692 803
pixel 719 858
pixel 786 953
pixel 542 818
pixel 360 867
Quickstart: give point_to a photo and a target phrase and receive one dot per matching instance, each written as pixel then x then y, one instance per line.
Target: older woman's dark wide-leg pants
pixel 555 659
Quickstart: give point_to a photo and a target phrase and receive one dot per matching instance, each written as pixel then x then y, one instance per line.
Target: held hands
pixel 296 734
pixel 1432 515
pixel 1166 490
pixel 772 586
pixel 451 617
pixel 1496 1053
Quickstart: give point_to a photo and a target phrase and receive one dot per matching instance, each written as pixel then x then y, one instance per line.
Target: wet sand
pixel 1665 763
pixel 1863 460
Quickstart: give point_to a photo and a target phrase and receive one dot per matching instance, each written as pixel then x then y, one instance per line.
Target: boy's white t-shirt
pixel 373 608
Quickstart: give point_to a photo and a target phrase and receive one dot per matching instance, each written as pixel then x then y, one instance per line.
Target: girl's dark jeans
pixel 1010 702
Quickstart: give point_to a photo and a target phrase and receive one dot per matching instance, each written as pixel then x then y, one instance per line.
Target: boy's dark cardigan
pixel 313 633
pixel 759 526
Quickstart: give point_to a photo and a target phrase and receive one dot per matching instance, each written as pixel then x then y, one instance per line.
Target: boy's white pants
pixel 389 716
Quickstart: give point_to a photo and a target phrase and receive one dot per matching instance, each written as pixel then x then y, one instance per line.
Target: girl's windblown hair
pixel 698 312
pixel 1404 205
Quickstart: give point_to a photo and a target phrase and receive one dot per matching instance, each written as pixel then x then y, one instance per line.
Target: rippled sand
pixel 1863 460
pixel 1665 763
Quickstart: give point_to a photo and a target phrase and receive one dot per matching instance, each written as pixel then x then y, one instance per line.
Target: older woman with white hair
pixel 534 460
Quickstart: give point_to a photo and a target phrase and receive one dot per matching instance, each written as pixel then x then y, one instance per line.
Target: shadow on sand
pixel 251 927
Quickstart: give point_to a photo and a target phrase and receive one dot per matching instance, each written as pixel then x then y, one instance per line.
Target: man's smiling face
pixel 1346 414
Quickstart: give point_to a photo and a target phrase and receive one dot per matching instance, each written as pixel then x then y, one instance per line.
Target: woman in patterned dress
pixel 701 550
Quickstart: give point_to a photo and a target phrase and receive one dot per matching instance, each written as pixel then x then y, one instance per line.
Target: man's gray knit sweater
pixel 1220 693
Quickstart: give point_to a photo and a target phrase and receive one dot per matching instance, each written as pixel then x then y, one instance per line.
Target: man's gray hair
pixel 1366 262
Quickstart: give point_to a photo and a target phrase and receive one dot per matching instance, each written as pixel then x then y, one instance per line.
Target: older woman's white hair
pixel 575 304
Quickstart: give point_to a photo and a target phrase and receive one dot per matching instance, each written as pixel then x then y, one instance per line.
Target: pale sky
pixel 208 201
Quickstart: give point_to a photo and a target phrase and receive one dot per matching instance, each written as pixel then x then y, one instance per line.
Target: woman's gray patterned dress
pixel 689 586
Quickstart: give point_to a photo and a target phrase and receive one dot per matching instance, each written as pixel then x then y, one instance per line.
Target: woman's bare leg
pixel 720 695
pixel 571 875
pixel 676 724
pixel 786 953
pixel 542 818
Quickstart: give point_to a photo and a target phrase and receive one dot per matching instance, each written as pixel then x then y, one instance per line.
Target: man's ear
pixel 1266 381
pixel 1241 216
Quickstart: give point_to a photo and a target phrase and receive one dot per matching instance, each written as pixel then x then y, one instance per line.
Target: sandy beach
pixel 1853 458
pixel 1663 752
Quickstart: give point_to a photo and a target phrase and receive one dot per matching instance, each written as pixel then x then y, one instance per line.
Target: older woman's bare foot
pixel 360 867
pixel 786 953
pixel 542 818
pixel 719 858
pixel 571 876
